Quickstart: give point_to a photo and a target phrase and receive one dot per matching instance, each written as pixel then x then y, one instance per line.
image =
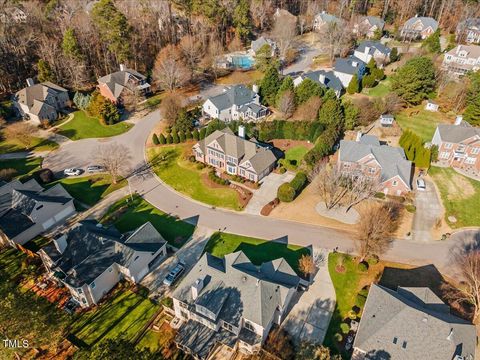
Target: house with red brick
pixel 458 146
pixel 115 85
pixel 366 156
pixel 235 155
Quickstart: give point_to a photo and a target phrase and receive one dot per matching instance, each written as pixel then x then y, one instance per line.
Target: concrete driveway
pixel 267 192
pixel 309 318
pixel 429 210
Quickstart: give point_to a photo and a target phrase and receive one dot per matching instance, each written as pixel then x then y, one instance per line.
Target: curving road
pixel 80 153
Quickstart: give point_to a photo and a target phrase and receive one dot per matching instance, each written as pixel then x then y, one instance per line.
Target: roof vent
pixel 196 288
pixel 244 278
pixel 258 282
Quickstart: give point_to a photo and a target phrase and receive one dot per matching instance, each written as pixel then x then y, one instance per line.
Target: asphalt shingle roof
pixel 457 133
pixel 348 65
pixel 119 80
pixel 34 96
pixel 331 81
pixel 373 45
pixel 233 95
pixel 375 21
pixel 411 324
pixel 425 21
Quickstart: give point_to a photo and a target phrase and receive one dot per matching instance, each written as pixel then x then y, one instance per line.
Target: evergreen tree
pixel 162 140
pixel 306 89
pixel 188 135
pixel 331 113
pixel 354 86
pixel 155 139
pixel 81 101
pixel 432 43
pixel 263 57
pixel 203 133
pixel 472 110
pixel 109 113
pixel 415 80
pixel 70 45
pixel 287 85
pixel 394 55
pixel 351 115
pixel 45 72
pixel 169 139
pixel 368 81
pixel 269 86
pixel 181 136
pixel 329 95
pixel 184 121
pixel 175 137
pixel 241 19
pixel 196 134
pixel 371 65
pixel 378 74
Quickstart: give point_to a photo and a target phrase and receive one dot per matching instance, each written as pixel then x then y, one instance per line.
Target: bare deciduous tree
pixel 261 11
pixel 286 103
pixel 306 264
pixel 21 131
pixel 376 226
pixel 192 51
pixel 171 106
pixel 338 38
pixel 170 71
pixel 392 103
pixel 330 184
pixel 115 158
pixel 360 188
pixel 284 32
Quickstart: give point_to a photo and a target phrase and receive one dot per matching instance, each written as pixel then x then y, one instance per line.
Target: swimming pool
pixel 243 61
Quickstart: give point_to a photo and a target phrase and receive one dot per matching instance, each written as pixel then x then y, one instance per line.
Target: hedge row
pixel 294 130
pixel 323 145
pixel 212 175
pixel 288 191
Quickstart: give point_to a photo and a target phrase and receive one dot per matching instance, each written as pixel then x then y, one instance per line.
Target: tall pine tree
pixel 269 86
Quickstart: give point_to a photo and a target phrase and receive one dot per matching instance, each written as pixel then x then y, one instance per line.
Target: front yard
pixel 34 144
pixel 460 196
pixel 420 121
pixel 294 157
pixel 257 250
pixel 23 167
pixel 171 164
pixel 82 126
pixel 127 216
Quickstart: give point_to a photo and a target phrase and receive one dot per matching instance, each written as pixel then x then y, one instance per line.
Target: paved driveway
pixel 429 210
pixel 267 192
pixel 309 318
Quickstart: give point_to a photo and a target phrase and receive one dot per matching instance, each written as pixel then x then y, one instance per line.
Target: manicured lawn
pixel 82 126
pixel 460 196
pixel 294 156
pixel 129 216
pixel 155 341
pixel 382 89
pixel 257 250
pixel 89 189
pixel 170 164
pixel 121 316
pixel 423 124
pixel 240 77
pixel 35 144
pixel 23 167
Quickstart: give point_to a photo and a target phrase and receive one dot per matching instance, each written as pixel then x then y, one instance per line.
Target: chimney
pixel 122 67
pixel 459 48
pixel 30 82
pixel 196 288
pixel 359 136
pixel 255 88
pixel 321 78
pixel 323 12
pixel 241 131
pixel 367 49
pixel 458 119
pixel 354 63
pixel 60 243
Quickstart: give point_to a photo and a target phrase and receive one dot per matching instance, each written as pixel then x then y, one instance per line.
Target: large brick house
pixel 458 146
pixel 368 157
pixel 419 27
pixel 235 155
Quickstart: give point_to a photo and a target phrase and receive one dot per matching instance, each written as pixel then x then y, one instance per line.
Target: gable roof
pixel 374 21
pixel 473 51
pixel 331 80
pixel 234 288
pixel 469 24
pixel 425 21
pixel 233 95
pixel 260 42
pixel 457 133
pixel 347 65
pixel 391 159
pixel 119 80
pixel 34 96
pixel 373 45
pixel 422 329
pixel 328 18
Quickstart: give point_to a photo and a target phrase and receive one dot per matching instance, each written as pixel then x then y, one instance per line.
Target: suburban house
pixel 418 27
pixel 458 146
pixel 27 210
pixel 39 102
pixel 469 31
pixel 368 50
pixel 236 102
pixel 323 20
pixel 431 106
pixel 324 78
pixel 386 120
pixel 462 59
pixel 368 26
pixel 232 302
pixel 368 157
pixel 345 68
pixel 90 259
pixel 256 45
pixel 411 323
pixel 234 154
pixel 115 85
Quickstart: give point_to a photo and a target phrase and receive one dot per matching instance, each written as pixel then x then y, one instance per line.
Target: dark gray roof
pixel 119 80
pixel 35 95
pixel 410 316
pixel 331 81
pixel 373 45
pixel 457 133
pixel 241 289
pixel 91 249
pixel 391 159
pixel 425 21
pixel 233 95
pixel 348 65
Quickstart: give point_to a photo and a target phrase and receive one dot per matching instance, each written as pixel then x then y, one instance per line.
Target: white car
pixel 72 172
pixel 95 169
pixel 421 186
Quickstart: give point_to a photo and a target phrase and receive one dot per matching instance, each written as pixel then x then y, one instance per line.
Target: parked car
pixel 72 172
pixel 95 169
pixel 421 186
pixel 174 275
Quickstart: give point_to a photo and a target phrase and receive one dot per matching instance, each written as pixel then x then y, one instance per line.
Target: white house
pixel 469 31
pixel 90 259
pixel 462 59
pixel 345 68
pixel 236 102
pixel 368 50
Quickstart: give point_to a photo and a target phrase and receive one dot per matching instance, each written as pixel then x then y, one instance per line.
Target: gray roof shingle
pixel 233 95
pixel 457 133
pixel 348 65
pixel 373 45
pixel 34 96
pixel 119 80
pixel 331 81
pixel 425 21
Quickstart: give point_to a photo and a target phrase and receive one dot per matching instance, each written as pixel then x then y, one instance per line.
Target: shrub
pixel 299 182
pixel 168 302
pixel 201 166
pixel 162 139
pixel 363 266
pixel 46 176
pixel 373 260
pixel 380 195
pixel 368 81
pixel 282 170
pixel 181 136
pixel 196 134
pixel 7 174
pixel 216 179
pixel 363 292
pixel 338 337
pixel 352 315
pixel 155 139
pixel 203 133
pixel 410 208
pixel 345 328
pixel 191 158
pixel 175 137
pixel 360 301
pixel 169 139
pixel 286 193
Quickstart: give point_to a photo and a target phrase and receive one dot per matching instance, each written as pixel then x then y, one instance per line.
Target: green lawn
pixel 382 89
pixel 129 217
pixel 170 165
pixel 257 250
pixel 35 144
pixel 423 124
pixel 82 126
pixel 23 167
pixel 89 190
pixel 460 196
pixel 122 316
pixel 293 157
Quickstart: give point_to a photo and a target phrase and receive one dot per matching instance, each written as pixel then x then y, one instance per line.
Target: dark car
pixel 174 275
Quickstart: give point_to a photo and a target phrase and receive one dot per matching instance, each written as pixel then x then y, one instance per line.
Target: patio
pixel 49 290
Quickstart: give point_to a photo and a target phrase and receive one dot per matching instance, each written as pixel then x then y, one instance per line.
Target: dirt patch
pixel 405 225
pixel 285 144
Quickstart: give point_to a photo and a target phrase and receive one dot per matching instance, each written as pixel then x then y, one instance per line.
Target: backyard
pixel 128 215
pixel 422 122
pixel 257 250
pixel 171 164
pixel 380 90
pixel 240 77
pixel 460 196
pixel 24 167
pixel 82 126
pixel 293 157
